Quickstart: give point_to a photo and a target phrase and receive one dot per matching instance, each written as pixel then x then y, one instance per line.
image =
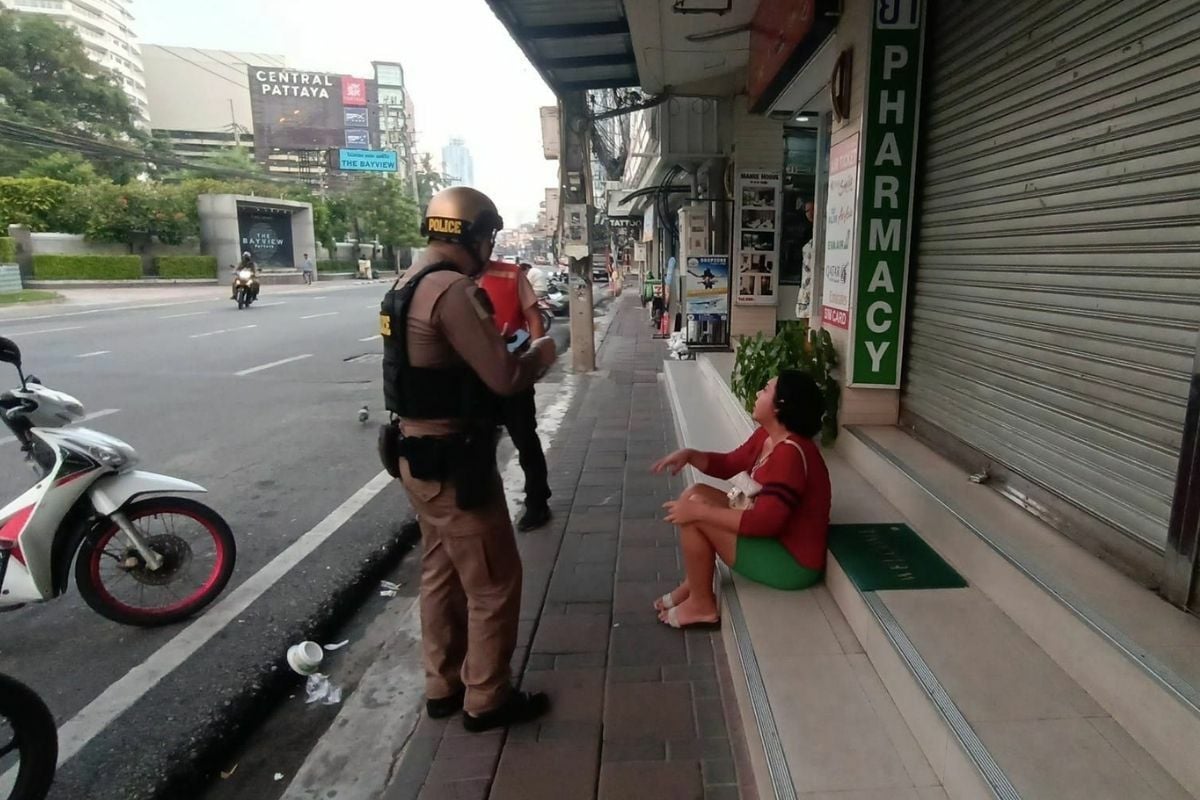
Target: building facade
pixel 106 27
pixel 200 99
pixel 397 130
pixel 457 164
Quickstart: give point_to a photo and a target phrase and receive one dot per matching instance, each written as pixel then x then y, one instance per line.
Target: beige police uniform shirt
pixel 449 324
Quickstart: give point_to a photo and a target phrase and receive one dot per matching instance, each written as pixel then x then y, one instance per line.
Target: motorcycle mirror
pixel 34 379
pixel 9 352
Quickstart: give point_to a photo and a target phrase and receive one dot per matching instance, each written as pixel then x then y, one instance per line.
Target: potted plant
pixel 794 346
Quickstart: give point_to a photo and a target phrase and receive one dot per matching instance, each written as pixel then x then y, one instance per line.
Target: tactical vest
pixel 427 392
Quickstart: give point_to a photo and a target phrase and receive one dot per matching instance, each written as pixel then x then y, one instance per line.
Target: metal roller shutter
pixel 1056 301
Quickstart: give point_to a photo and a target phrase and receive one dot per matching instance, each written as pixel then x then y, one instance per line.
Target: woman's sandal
pixel 664 603
pixel 705 625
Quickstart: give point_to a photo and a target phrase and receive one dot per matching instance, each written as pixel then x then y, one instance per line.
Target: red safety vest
pixel 500 283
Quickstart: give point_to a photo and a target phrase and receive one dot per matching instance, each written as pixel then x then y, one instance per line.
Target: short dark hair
pixel 799 403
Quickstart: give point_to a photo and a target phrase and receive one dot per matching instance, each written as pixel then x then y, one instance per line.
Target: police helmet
pixel 463 215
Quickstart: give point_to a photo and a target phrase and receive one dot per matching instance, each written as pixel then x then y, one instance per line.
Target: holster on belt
pixel 465 460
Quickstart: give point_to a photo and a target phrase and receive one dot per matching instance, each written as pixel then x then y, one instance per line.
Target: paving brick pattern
pixel 640 710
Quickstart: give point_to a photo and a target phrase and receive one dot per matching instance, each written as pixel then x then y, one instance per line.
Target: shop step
pixel 993 710
pixel 1135 654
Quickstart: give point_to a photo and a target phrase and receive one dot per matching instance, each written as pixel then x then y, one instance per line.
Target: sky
pixel 465 74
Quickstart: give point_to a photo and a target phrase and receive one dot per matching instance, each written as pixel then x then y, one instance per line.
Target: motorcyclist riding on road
pixel 246 263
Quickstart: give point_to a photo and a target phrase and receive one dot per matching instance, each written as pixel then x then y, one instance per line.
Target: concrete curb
pixel 197 761
pixel 144 283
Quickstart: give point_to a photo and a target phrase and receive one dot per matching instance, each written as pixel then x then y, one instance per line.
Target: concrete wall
pixel 220 237
pixel 71 244
pixel 191 89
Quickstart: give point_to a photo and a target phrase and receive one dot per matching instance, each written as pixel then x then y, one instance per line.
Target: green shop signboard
pixel 888 172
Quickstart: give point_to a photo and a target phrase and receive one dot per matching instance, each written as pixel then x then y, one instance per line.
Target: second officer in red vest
pixel 515 309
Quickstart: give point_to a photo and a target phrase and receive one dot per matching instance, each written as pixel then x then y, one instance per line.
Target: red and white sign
pixel 354 91
pixel 841 210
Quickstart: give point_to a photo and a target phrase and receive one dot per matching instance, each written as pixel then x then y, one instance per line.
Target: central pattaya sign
pixel 890 118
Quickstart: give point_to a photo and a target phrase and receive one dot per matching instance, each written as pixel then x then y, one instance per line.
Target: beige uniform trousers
pixel 470 593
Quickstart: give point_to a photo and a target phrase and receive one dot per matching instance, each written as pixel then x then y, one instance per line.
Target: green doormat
pixel 880 557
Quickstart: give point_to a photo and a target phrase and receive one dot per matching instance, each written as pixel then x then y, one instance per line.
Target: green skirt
pixel 765 560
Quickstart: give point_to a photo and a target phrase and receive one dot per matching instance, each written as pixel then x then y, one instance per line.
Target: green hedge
pixel 181 267
pixel 337 266
pixel 8 250
pixel 87 268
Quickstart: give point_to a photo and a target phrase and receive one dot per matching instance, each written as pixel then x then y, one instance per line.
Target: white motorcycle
pixel 141 557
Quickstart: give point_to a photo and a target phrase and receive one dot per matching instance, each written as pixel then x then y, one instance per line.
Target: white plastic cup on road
pixel 305 658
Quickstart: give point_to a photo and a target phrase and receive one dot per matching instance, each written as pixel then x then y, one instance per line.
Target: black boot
pixel 519 707
pixel 535 517
pixel 442 707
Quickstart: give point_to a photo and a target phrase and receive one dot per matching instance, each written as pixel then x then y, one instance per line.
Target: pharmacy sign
pixel 888 174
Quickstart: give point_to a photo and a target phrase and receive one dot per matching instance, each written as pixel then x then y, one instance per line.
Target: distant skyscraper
pixel 457 165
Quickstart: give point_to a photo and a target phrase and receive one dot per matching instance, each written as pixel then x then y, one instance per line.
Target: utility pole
pixel 575 219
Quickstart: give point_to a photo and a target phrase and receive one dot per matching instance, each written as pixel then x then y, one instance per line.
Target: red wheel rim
pixel 98 554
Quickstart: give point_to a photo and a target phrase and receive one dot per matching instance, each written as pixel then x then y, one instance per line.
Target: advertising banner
pixel 892 108
pixel 266 234
pixel 706 300
pixel 354 91
pixel 300 110
pixel 366 160
pixel 757 243
pixel 841 210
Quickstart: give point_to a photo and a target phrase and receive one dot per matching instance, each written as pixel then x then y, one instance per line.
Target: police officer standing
pixel 446 368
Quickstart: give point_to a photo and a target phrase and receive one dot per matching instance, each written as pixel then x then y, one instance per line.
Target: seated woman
pixel 780 539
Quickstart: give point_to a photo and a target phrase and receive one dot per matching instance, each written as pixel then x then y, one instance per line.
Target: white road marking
pixel 188 314
pixel 45 330
pixel 326 314
pixel 223 330
pixel 96 353
pixel 88 418
pixel 322 297
pixel 276 303
pixel 279 363
pixel 74 734
pixel 371 338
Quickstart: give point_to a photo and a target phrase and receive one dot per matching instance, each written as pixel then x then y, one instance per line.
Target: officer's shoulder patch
pixel 480 303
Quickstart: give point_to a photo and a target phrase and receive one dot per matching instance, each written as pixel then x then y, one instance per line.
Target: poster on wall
pixel 266 234
pixel 839 233
pixel 757 244
pixel 706 287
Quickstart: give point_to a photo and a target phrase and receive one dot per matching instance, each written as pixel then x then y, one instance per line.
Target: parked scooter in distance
pixel 142 556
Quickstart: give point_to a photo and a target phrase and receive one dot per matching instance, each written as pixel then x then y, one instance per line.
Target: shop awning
pixel 574 44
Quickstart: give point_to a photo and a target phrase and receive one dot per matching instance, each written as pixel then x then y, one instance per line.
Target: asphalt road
pixel 259 406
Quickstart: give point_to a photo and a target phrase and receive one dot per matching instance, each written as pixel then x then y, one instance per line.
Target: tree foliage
pixel 382 208
pixel 48 81
pixel 69 168
pixel 429 182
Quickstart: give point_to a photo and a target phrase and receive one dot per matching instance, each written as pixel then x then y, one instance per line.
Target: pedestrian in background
pixel 515 307
pixel 307 269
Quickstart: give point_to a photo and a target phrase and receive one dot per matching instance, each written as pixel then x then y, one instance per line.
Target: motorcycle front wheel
pixel 241 299
pixel 28 742
pixel 547 319
pixel 198 554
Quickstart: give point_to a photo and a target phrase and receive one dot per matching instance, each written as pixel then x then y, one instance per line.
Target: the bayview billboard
pixel 302 110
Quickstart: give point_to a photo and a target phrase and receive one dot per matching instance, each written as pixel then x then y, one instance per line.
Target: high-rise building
pixel 457 164
pixel 106 27
pixel 396 129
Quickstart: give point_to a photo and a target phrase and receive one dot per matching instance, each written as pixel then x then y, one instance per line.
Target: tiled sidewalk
pixel 640 710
